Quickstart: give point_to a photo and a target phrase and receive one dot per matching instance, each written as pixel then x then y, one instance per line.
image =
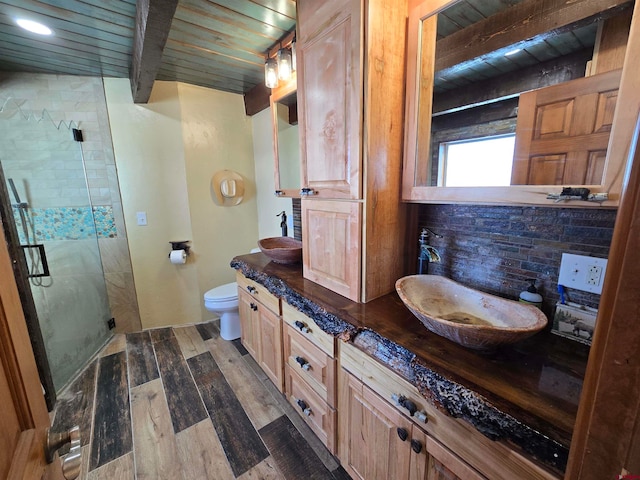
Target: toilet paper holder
pixel 180 245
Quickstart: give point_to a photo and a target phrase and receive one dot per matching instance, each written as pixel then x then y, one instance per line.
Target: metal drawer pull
pixel 251 289
pixel 416 445
pixel 410 407
pixel 307 191
pixel 421 416
pixel 253 306
pixel 402 433
pixel 303 363
pixel 301 326
pixel 304 407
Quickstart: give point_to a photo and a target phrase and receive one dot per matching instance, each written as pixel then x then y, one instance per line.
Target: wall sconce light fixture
pixel 280 61
pixel 285 64
pixel 271 73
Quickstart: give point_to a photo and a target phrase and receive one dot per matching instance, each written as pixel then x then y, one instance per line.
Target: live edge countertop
pixel 526 394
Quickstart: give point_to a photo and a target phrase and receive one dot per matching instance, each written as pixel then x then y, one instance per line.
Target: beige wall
pixel 166 153
pixel 268 204
pixel 217 136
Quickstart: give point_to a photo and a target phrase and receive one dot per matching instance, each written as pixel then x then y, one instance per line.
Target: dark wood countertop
pixel 526 393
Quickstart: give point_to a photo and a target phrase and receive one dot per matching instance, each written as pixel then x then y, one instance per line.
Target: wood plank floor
pixel 182 403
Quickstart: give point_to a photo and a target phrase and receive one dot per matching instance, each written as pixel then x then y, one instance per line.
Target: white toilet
pixel 223 301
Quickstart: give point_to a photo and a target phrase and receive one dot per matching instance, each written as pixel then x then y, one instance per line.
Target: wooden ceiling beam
pixel 153 22
pixel 525 20
pixel 256 99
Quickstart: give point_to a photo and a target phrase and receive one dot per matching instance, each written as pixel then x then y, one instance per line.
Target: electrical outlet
pixel 594 274
pixel 582 273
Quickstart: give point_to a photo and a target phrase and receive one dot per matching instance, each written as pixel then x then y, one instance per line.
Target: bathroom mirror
pixel 470 60
pixel 286 144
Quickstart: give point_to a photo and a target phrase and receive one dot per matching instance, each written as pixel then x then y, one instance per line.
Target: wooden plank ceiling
pixel 221 44
pixel 539 31
pixel 217 44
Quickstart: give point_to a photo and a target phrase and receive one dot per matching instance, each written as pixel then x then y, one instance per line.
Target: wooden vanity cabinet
pixel 350 58
pixel 261 327
pixel 370 414
pixel 378 442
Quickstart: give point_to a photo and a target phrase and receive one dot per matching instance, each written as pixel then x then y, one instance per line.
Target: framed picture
pixel 576 322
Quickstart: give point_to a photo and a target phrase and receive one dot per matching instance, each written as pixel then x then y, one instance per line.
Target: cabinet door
pixel 563 132
pixel 270 338
pixel 249 325
pixel 330 96
pixel 331 248
pixel 370 431
pixel 431 461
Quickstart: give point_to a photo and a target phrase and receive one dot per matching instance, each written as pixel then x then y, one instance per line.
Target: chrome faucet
pixel 428 254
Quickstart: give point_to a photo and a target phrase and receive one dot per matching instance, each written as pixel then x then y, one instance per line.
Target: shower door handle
pixel 43 260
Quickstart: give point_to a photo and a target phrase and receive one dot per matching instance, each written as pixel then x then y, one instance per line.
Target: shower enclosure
pixel 51 218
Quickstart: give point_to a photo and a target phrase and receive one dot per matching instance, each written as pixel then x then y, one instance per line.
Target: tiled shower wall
pixel 495 249
pixel 81 100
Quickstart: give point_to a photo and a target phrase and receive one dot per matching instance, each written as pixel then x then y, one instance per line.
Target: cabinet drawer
pixel 494 459
pixel 315 411
pixel 314 366
pixel 308 328
pixel 258 292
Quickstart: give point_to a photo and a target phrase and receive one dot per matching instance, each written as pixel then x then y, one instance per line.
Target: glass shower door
pixel 54 219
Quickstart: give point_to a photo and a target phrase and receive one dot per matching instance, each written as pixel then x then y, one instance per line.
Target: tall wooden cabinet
pixel 350 62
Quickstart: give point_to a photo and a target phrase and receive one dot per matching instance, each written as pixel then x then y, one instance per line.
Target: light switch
pixel 142 218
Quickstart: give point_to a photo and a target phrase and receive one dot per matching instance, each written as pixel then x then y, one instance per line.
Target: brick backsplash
pixel 495 249
pixel 297 218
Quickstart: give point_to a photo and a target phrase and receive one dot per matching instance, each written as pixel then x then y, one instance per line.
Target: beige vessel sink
pixel 466 316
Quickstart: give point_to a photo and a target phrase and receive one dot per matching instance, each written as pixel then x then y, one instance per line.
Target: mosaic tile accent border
pixel 65 223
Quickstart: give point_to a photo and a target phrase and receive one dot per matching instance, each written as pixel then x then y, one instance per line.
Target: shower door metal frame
pixel 21 275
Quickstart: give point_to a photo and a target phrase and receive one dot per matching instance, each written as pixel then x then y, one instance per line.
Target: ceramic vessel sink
pixel 473 319
pixel 282 249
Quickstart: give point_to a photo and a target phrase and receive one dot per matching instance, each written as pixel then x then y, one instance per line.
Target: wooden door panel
pixel 560 127
pixel 9 424
pixel 547 169
pixel 436 462
pixel 331 245
pixel 375 450
pixel 606 108
pixel 595 167
pixel 330 98
pixel 271 345
pixel 247 323
pixel 23 415
pixel 553 120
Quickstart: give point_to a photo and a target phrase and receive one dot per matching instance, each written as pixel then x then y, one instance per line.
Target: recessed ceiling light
pixel 34 27
pixel 512 52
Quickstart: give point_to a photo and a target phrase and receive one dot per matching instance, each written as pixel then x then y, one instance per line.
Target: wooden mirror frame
pixel 419 99
pixel 278 94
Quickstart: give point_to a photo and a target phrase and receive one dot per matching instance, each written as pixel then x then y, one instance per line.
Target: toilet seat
pixel 222 293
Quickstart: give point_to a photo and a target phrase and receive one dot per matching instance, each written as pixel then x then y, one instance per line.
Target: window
pixel 479 162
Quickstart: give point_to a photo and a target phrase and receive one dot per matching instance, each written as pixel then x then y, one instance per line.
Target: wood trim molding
pixel 607 420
